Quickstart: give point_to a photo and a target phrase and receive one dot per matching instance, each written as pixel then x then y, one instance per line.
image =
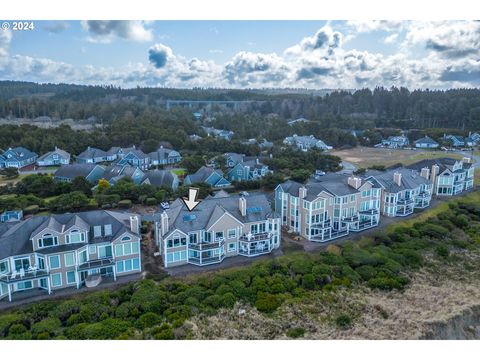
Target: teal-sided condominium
pixel 50 253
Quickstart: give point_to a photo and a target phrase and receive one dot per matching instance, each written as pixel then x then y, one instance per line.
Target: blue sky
pixel 238 54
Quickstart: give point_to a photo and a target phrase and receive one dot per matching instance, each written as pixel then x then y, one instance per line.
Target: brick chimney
pixel 354 182
pixel 397 177
pixel 242 205
pixel 425 173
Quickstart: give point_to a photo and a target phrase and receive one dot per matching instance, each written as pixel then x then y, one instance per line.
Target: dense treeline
pixel 158 308
pixel 381 107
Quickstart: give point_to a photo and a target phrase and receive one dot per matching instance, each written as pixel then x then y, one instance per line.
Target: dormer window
pixel 75 237
pixel 47 240
pixel 97 231
pixel 108 230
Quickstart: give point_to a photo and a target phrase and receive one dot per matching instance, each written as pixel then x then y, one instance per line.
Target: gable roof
pixel 18 153
pixel 210 210
pixel 72 171
pixel 410 179
pixel 91 153
pixel 426 140
pixel 162 153
pixel 58 151
pixel 203 174
pixel 159 178
pixel 16 239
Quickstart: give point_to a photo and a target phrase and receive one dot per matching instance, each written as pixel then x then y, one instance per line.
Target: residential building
pixel 232 159
pixel 218 228
pixel 134 157
pixel 207 175
pixel 164 156
pixel 194 137
pixel 161 178
pixel 454 140
pixel 54 158
pixel 394 142
pixel 115 172
pixel 248 170
pixel 403 190
pixel 330 208
pixel 11 215
pixel 17 157
pixel 305 143
pixel 67 251
pixel 426 143
pixel 91 172
pixel 449 176
pixel 297 121
pixel 91 156
pixel 223 134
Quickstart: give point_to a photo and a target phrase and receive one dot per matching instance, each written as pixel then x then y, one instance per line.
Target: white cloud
pixel 450 59
pixel 365 26
pixel 104 31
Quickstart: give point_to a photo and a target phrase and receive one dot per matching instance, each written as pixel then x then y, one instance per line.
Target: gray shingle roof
pixel 91 153
pixel 20 153
pixel 211 209
pixel 159 178
pixel 71 171
pixel 410 179
pixel 16 240
pixel 58 151
pixel 202 174
pixel 426 140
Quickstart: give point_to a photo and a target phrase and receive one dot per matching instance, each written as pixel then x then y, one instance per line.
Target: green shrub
pixel 442 251
pixel 51 326
pixel 384 282
pixel 366 272
pixel 295 333
pixel 308 281
pixel 125 204
pixel 267 303
pixel 151 201
pixel 148 319
pixel 343 321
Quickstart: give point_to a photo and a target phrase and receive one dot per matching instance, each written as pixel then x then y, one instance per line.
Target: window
pixel 71 277
pixel 126 249
pixel 24 285
pixel 232 247
pixel 254 228
pixel 92 249
pixel 82 257
pixel 352 198
pixel 56 280
pixel 218 235
pixel 97 231
pixel 134 264
pixel 192 238
pixel 75 237
pixel 3 267
pixel 120 266
pixel 54 261
pixel 69 259
pixel 105 251
pixel 119 250
pixel 108 230
pixel 232 233
pixel 126 238
pixel 47 240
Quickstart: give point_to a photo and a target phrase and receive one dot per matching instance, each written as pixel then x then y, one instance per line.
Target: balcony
pixel 256 237
pixel 96 264
pixel 200 246
pixel 19 275
pixel 206 260
pixel 250 249
pixel 423 194
pixel 369 212
pixel 322 225
pixel 405 201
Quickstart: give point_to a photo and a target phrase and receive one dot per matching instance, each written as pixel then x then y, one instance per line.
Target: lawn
pixel 366 156
pixel 179 172
pixel 4 181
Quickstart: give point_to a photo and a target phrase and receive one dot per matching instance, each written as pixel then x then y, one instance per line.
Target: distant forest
pixel 361 109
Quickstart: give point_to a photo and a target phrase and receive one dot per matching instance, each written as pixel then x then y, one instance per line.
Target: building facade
pixel 68 251
pixel 54 158
pixel 330 208
pixel 218 228
pixel 17 157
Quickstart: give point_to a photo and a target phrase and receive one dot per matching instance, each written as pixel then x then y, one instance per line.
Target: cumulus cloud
pixel 106 30
pixel 250 69
pixel 449 57
pixel 451 39
pixel 159 54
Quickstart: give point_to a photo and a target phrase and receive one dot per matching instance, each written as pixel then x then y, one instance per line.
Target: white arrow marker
pixel 191 202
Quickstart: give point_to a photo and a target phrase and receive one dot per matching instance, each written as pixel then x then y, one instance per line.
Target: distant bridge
pixel 235 104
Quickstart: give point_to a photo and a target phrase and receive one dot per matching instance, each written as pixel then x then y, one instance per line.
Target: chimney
pixel 135 224
pixel 164 223
pixel 425 173
pixel 354 182
pixel 242 205
pixel 302 192
pixel 466 160
pixel 257 161
pixel 397 177
pixel 435 171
